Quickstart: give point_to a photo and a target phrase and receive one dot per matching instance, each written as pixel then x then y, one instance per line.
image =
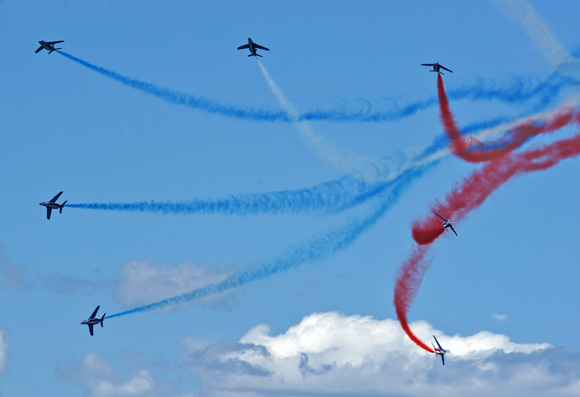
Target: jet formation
pixel 437 67
pixel 93 320
pixel 253 48
pixel 53 205
pixel 48 45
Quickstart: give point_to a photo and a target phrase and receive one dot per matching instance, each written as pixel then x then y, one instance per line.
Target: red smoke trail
pixel 463 198
pixel 470 149
pixel 408 282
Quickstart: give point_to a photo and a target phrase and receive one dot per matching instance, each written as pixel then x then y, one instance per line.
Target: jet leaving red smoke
pixel 468 195
pixel 470 149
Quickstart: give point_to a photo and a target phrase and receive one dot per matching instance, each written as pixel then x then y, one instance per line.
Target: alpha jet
pixel 94 320
pixel 253 47
pixel 48 45
pixel 439 351
pixel 446 223
pixel 436 67
pixel 53 205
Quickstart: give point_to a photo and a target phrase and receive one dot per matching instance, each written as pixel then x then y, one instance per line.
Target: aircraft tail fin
pixel 62 205
pixel 102 319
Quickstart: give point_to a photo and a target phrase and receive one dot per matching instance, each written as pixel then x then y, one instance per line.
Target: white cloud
pixel 11 276
pixel 99 378
pixel 499 317
pixel 333 354
pixel 142 282
pixel 67 284
pixel 3 351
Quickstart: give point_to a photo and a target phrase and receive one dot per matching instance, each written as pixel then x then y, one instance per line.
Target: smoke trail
pixel 341 158
pixel 341 194
pixel 474 190
pixel 408 282
pixel 472 150
pixel 516 91
pixel 464 198
pixel 541 35
pixel 328 197
pixel 319 247
pixel 179 98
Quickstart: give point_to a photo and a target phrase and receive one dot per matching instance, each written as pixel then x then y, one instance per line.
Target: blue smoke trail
pixel 332 197
pixel 324 197
pixel 179 98
pixel 319 247
pixel 517 91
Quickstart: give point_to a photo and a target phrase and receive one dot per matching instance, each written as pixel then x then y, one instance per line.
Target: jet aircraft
pixel 53 205
pixel 94 320
pixel 253 47
pixel 436 67
pixel 48 45
pixel 446 223
pixel 439 351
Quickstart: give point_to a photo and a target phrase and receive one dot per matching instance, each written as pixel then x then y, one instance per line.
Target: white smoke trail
pixel 342 159
pixel 541 34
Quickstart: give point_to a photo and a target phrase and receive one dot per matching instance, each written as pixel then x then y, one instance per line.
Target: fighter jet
pixel 438 351
pixel 94 320
pixel 48 45
pixel 446 224
pixel 253 47
pixel 436 67
pixel 53 205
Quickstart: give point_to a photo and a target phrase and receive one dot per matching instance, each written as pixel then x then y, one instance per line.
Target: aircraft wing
pixel 436 341
pixel 443 67
pixel 444 220
pixel 91 329
pixel 453 229
pixel 443 359
pixel 39 48
pixel 261 47
pixel 95 312
pixel 55 42
pixel 48 212
pixel 427 64
pixel 53 200
pixel 243 46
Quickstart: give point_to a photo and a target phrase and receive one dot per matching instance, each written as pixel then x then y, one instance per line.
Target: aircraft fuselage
pixel 252 47
pixel 47 46
pixel 54 206
pixel 91 321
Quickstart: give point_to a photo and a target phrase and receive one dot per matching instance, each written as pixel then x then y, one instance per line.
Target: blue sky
pixel 502 295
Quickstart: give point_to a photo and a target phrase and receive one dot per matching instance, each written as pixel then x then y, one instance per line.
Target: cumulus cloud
pixel 142 282
pixel 333 354
pixel 99 378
